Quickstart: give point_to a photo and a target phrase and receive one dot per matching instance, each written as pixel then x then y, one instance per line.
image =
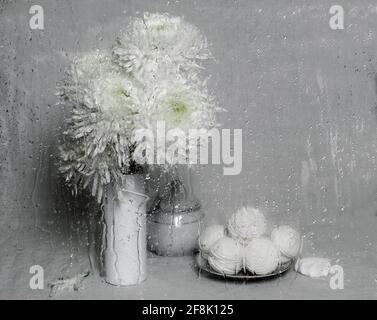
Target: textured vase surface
pixel 125 233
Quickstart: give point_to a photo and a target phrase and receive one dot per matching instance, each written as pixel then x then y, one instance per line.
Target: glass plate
pixel 203 265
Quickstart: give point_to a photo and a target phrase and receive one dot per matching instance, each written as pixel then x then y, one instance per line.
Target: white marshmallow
pixel 225 256
pixel 208 237
pixel 247 223
pixel 313 267
pixel 261 256
pixel 287 240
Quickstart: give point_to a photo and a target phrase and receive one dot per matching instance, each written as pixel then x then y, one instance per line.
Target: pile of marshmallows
pixel 242 245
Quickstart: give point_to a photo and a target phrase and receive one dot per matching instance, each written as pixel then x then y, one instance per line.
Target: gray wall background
pixel 304 95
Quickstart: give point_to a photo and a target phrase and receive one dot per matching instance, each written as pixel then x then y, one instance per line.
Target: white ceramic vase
pixel 125 233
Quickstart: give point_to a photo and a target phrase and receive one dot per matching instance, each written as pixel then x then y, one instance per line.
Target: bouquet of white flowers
pixel 151 74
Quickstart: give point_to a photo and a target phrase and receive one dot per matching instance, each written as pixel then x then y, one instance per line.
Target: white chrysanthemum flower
pixel 160 42
pixel 105 110
pixel 182 106
pixel 82 70
pixel 151 76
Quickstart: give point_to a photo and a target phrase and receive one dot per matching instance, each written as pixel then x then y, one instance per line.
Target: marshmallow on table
pixel 208 237
pixel 313 267
pixel 247 223
pixel 261 256
pixel 226 256
pixel 287 240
